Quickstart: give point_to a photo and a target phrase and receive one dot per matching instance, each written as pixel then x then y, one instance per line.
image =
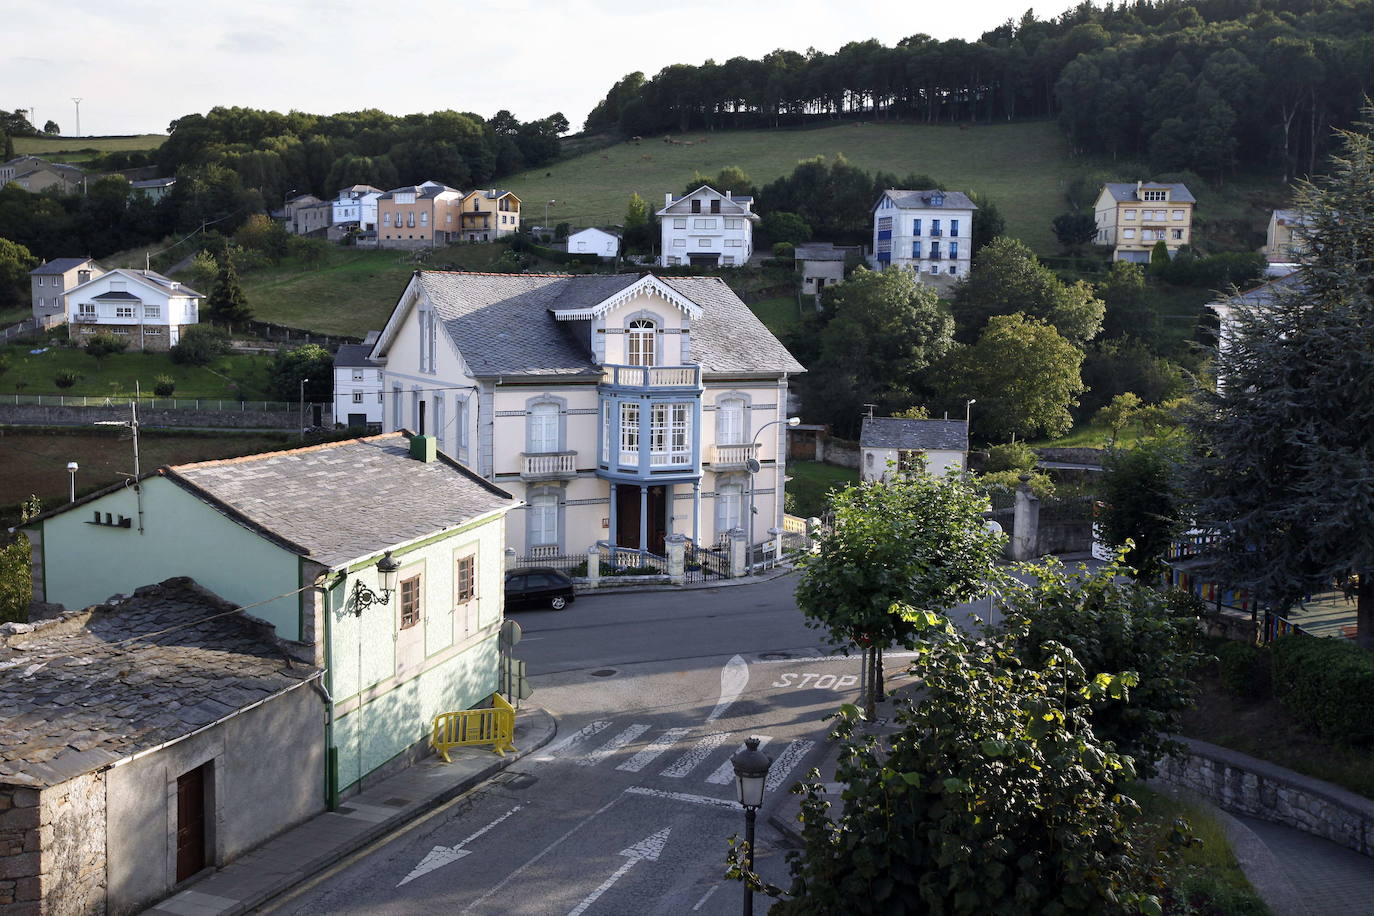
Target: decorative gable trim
pixel 648 284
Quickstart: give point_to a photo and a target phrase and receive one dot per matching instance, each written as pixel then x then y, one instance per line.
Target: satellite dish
pixel 752 465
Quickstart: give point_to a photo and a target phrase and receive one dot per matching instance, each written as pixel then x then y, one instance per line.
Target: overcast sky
pixel 138 64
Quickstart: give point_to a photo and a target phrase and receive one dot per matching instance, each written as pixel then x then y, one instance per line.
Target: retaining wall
pixel 35 415
pixel 1241 784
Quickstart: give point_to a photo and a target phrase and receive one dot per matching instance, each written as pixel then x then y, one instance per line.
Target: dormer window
pixel 1155 195
pixel 715 206
pixel 696 206
pixel 640 341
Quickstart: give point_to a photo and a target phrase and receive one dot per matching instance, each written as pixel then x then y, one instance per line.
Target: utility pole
pixel 77 100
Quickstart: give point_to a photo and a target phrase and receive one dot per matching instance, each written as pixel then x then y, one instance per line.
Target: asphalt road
pixel 628 810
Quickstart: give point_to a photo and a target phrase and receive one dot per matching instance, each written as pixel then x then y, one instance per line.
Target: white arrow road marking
pixel 440 856
pixel 576 738
pixel 734 677
pixel 787 761
pixel 651 847
pixel 695 755
pixel 651 750
pixel 725 773
pixel 615 744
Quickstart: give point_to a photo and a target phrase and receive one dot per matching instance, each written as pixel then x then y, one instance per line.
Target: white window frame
pixel 641 342
pixel 542 518
pixel 680 223
pixel 629 434
pixel 729 507
pixel 543 428
pixel 357 375
pixel 731 421
pixel 357 397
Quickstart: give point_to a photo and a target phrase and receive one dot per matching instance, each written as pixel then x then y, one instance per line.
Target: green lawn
pixel 41 146
pixel 233 377
pixel 1021 167
pixel 352 290
pixel 779 315
pixel 809 483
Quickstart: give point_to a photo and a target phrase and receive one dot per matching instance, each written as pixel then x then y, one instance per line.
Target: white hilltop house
pixel 145 307
pixel 356 204
pixel 707 228
pixel 929 232
pixel 622 410
pixel 599 242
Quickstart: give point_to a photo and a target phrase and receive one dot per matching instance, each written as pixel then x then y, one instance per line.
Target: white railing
pixel 549 465
pixel 732 455
pixel 653 376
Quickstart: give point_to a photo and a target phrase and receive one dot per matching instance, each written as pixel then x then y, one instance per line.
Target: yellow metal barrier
pixel 495 726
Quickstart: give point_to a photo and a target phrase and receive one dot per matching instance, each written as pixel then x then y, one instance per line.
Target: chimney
pixel 668 199
pixel 1138 185
pixel 423 448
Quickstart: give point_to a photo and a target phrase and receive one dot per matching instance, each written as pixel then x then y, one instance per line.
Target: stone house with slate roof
pixel 144 740
pixel 620 408
pixel 888 445
pixel 295 537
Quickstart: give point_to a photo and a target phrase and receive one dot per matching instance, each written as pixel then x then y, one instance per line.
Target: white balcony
pixel 653 376
pixel 548 466
pixel 732 456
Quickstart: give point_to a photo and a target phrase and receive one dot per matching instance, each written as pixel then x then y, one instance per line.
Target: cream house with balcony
pixel 620 409
pixel 140 306
pixel 489 215
pixel 1132 217
pixel 707 229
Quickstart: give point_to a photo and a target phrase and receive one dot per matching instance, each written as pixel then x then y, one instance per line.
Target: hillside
pixel 1022 167
pixel 44 146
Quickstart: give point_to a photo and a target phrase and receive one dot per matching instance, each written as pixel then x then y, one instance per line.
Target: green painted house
pixel 295 538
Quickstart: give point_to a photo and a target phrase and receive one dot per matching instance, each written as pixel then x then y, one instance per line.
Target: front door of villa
pixel 627 505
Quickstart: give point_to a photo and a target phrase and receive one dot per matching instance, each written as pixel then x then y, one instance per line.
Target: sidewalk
pixel 302 852
pixel 767 575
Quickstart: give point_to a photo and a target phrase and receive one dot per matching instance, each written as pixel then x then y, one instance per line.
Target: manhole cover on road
pixel 603 672
pixel 774 656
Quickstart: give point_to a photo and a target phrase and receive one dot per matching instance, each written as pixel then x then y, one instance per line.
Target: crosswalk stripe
pixel 576 738
pixel 615 744
pixel 651 750
pixel 694 756
pixel 787 761
pixel 725 773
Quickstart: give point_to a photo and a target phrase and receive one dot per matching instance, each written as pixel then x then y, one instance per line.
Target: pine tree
pixel 227 302
pixel 1286 466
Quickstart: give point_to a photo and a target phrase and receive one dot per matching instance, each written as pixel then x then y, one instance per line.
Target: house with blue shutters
pixel 929 232
pixel 620 409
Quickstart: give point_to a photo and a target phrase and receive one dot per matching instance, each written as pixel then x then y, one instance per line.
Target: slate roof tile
pixel 891 432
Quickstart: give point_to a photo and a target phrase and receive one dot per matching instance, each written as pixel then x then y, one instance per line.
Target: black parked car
pixel 536 587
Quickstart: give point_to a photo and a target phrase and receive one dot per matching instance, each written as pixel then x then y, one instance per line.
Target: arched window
pixel 543 428
pixel 543 519
pixel 729 507
pixel 730 422
pixel 640 342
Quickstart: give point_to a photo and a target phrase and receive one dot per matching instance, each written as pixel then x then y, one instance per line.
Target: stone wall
pixel 52 848
pixel 19 855
pixel 1071 455
pixel 36 415
pixel 1245 785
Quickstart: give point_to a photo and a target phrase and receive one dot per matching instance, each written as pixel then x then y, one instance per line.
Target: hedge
pixel 1244 669
pixel 1327 684
pixel 521 243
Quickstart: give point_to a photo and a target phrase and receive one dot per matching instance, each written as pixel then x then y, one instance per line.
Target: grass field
pixel 35 460
pixel 352 290
pixel 809 483
pixel 1021 167
pixel 778 315
pixel 42 146
pixel 232 377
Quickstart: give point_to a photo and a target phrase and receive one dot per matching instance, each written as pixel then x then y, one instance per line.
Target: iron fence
pixel 571 563
pixel 151 403
pixel 703 564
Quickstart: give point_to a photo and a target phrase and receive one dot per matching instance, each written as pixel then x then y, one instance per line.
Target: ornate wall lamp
pixel 363 597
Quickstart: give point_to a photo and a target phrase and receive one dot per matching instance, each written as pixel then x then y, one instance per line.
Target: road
pixel 628 810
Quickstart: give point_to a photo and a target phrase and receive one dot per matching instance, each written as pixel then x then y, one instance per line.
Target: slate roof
pixel 920 200
pixel 87 689
pixel 820 251
pixel 1124 191
pixel 353 356
pixel 118 294
pixel 172 287
pixel 1264 294
pixel 424 191
pixel 889 432
pixel 58 266
pixel 153 183
pixel 503 326
pixel 342 501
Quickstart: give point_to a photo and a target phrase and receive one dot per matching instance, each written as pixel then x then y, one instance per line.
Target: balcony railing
pixel 936 233
pixel 653 376
pixel 732 456
pixel 548 465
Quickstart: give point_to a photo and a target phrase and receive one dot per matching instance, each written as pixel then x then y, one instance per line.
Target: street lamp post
pixel 71 472
pixel 968 412
pixel 303 381
pixel 753 466
pixel 751 776
pixel 286 217
pixel 548 204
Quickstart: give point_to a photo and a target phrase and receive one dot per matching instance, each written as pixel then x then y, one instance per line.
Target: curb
pixel 769 576
pixel 546 723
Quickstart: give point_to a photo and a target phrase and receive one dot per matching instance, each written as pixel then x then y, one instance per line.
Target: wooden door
pixel 627 516
pixel 191 823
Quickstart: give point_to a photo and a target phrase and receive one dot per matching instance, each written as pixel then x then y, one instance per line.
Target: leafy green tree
pixel 785 227
pixel 200 345
pixel 51 129
pixel 311 362
pixel 1118 414
pixel 1075 229
pixel 103 345
pixel 8 142
pixel 993 794
pixel 16 582
pixel 1142 502
pixel 638 225
pixel 911 544
pixel 226 302
pixel 886 329
pixel 1283 465
pixel 1011 456
pixel 988 223
pixel 266 236
pixel 1112 626
pixel 1159 257
pixel 15 264
pixel 1117 365
pixel 1007 278
pixel 1127 303
pixel 1024 375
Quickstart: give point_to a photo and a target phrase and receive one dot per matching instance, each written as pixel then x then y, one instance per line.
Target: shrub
pixel 1244 669
pixel 200 345
pixel 1328 685
pixel 66 380
pixel 164 385
pixel 1012 456
pixel 783 250
pixel 1040 483
pixel 105 344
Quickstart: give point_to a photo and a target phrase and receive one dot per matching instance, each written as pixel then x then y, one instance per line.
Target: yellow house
pixel 1133 216
pixel 489 215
